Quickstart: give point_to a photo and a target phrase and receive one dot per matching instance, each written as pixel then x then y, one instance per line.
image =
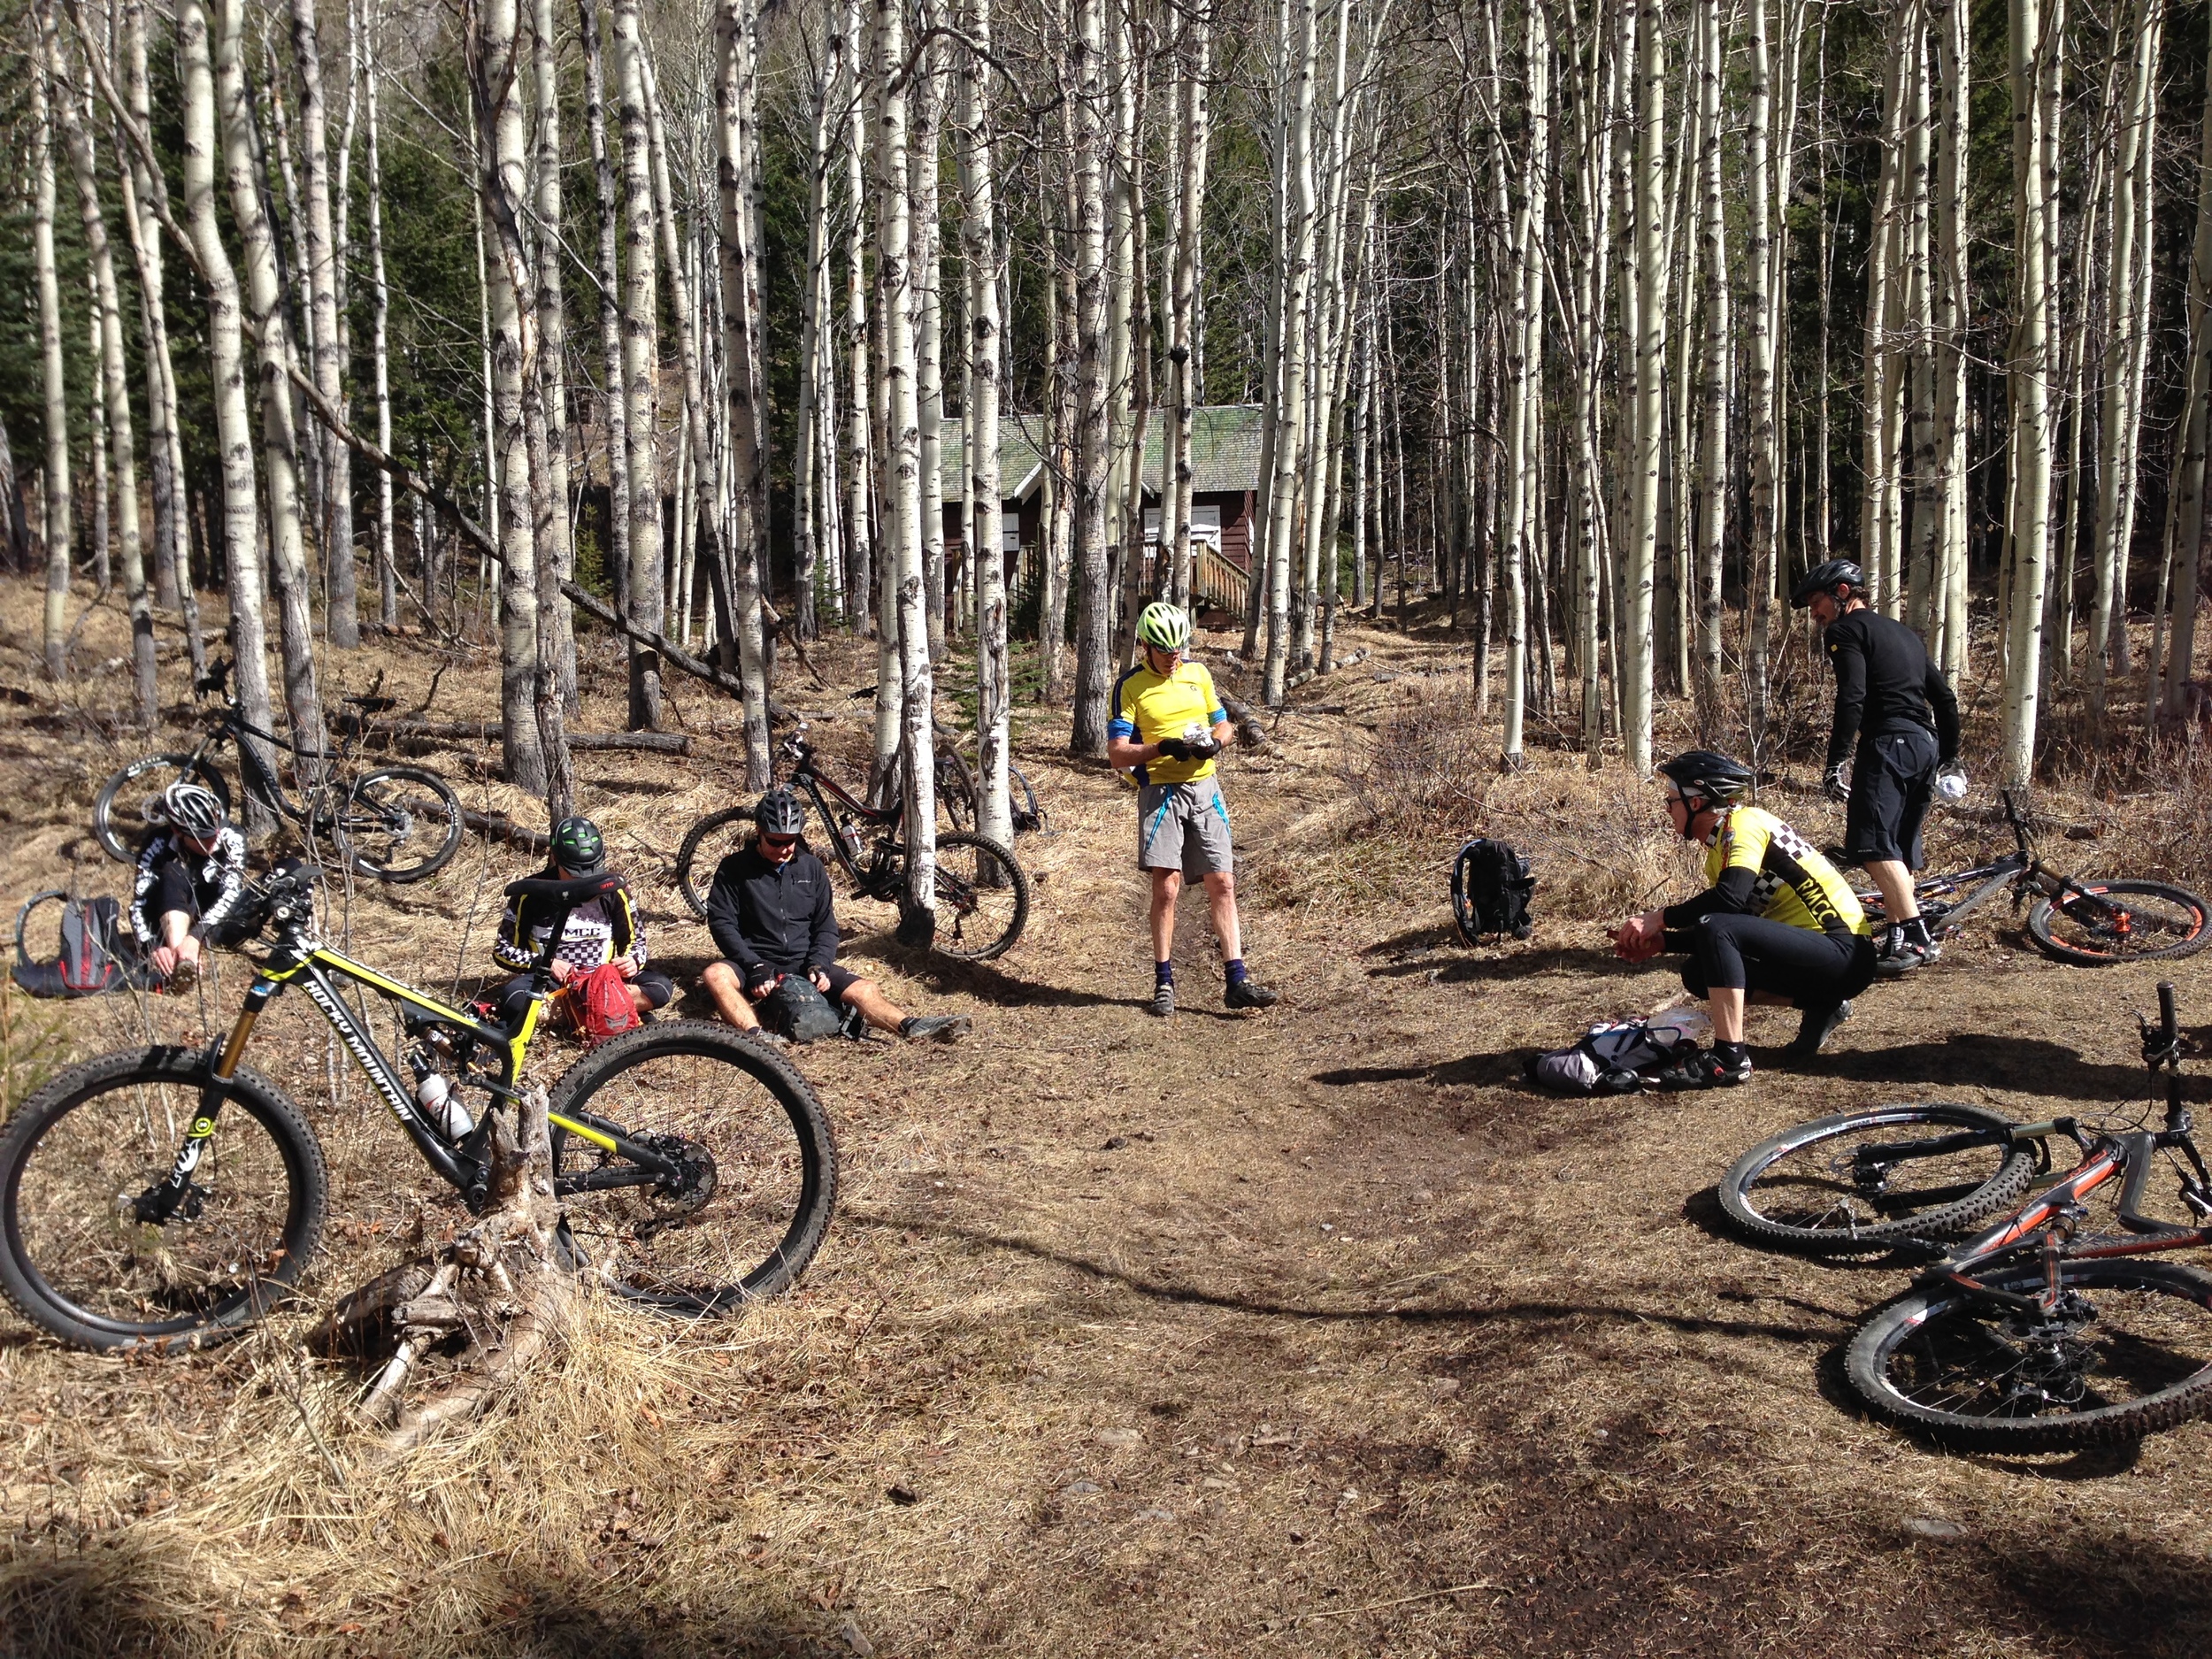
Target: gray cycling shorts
pixel 1183 826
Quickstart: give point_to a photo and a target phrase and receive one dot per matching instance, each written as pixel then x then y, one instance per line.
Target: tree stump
pixel 497 1291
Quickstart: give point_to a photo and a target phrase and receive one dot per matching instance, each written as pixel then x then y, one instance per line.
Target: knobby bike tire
pixel 61 1227
pixel 1969 1376
pixel 750 1131
pixel 2177 926
pixel 116 830
pixel 1809 1205
pixel 694 885
pixel 397 797
pixel 957 792
pixel 972 923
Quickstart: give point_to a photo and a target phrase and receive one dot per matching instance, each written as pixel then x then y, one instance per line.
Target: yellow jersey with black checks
pixel 1148 708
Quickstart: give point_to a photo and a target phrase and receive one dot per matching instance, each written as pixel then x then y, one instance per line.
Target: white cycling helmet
pixel 190 809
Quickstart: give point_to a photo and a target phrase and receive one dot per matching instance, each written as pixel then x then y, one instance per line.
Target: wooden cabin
pixel 1224 488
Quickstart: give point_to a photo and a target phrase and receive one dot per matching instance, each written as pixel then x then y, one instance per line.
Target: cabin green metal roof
pixel 1225 451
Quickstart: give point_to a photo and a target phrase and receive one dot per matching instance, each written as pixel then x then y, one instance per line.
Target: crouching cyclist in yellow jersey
pixel 1778 925
pixel 1168 725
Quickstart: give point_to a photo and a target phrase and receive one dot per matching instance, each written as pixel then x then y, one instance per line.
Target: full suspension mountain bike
pixel 2032 1334
pixel 393 823
pixel 166 1198
pixel 2089 923
pixel 982 895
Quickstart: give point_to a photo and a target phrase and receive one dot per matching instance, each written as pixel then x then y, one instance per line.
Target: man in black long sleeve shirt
pixel 1897 709
pixel 771 916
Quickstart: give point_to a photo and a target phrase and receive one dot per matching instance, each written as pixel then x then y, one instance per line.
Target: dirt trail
pixel 1307 1332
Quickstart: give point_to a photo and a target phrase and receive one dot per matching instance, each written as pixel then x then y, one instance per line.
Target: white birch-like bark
pixel 1523 373
pixel 1923 482
pixel 641 358
pixel 340 618
pixel 1877 501
pixel 1290 391
pixel 1950 39
pixel 56 486
pixel 1713 476
pixel 380 361
pixel 922 167
pixel 1195 137
pixel 558 547
pixel 279 438
pixel 226 365
pixel 1764 435
pixel 2187 559
pixel 860 565
pixel 1650 338
pixel 2028 372
pixel 980 262
pixel 613 392
pixel 807 536
pixel 1094 600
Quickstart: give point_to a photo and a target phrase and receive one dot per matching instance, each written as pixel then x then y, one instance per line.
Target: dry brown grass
pixel 1252 1336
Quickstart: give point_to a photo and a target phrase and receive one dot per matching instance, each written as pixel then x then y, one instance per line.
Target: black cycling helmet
pixel 1706 779
pixel 781 812
pixel 578 847
pixel 1826 578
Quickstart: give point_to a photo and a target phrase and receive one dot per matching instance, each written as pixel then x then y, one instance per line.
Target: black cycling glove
pixel 1174 749
pixel 1203 749
pixel 759 979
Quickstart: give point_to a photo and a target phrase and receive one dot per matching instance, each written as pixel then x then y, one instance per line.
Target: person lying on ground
pixel 1168 725
pixel 599 931
pixel 191 878
pixel 771 914
pixel 1778 926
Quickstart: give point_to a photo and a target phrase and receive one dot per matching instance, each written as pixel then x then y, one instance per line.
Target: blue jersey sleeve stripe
pixel 1121 728
pixel 1215 717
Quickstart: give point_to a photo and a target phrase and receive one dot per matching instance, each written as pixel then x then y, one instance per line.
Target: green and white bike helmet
pixel 1164 627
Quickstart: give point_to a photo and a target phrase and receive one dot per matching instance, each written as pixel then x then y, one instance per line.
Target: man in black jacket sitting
pixel 771 915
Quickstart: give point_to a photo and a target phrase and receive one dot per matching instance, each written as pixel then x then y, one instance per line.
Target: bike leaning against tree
pixel 392 823
pixel 166 1198
pixel 982 894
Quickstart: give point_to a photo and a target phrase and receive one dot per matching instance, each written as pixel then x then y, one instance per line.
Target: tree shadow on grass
pixel 982 981
pixel 2027 1066
pixel 1514 965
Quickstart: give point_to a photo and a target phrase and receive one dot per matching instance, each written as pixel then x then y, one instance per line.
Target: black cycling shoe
pixel 1703 1068
pixel 1164 998
pixel 936 1027
pixel 1249 993
pixel 1815 1026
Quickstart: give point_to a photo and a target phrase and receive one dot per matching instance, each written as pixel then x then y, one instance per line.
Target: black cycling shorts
pixel 1893 779
pixel 840 981
pixel 1731 951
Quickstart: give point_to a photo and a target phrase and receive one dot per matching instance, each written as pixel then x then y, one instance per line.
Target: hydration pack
pixel 98 954
pixel 799 1012
pixel 1612 1055
pixel 597 1006
pixel 1490 886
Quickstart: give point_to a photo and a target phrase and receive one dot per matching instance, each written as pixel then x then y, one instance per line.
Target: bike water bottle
pixel 443 1107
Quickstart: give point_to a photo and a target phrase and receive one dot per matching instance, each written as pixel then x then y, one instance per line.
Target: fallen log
pixel 499 827
pixel 487 731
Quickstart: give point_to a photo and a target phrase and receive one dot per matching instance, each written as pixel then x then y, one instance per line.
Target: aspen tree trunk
pixel 1762 268
pixel 1650 338
pixel 2172 697
pixel 860 579
pixel 1186 395
pixel 227 364
pixel 641 360
pixel 1925 491
pixel 57 487
pixel 1094 599
pixel 1125 512
pixel 114 381
pixel 1059 479
pixel 736 22
pixel 1713 478
pixel 144 201
pixel 2029 374
pixel 903 555
pixel 280 443
pixel 929 368
pixel 103 572
pixel 334 461
pixel 1298 243
pixel 1595 90
pixel 2126 339
pixel 1877 515
pixel 379 355
pixel 806 542
pixel 1325 337
pixel 1523 344
pixel 503 186
pixel 613 396
pixel 1949 35
pixel 558 549
pixel 1362 429
pixel 981 264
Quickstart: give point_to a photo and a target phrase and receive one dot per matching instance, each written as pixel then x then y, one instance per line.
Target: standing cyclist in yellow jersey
pixel 1777 924
pixel 1168 725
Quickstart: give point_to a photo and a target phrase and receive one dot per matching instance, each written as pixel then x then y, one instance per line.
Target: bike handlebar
pixel 2169 1024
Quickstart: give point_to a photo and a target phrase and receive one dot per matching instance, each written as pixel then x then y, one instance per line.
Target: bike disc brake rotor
pixel 2052 1357
pixel 696 1180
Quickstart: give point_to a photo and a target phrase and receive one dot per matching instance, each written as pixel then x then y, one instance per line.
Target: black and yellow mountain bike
pixel 165 1198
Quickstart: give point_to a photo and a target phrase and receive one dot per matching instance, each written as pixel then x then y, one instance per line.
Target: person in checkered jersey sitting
pixel 599 931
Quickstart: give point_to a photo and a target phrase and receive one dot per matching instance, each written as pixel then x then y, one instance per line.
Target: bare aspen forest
pixel 596 394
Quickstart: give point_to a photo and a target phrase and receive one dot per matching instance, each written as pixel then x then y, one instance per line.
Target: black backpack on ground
pixel 98 954
pixel 1490 886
